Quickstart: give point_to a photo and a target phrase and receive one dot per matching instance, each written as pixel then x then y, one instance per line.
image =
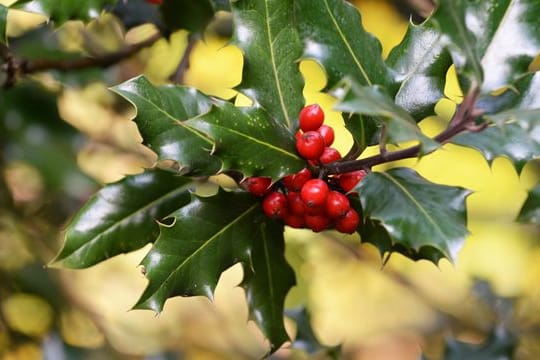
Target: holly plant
pixel 278 150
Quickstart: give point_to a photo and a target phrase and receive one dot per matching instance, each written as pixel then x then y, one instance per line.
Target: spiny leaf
pixel 161 115
pixel 249 141
pixel 420 63
pixel 530 211
pixel 62 10
pixel 208 236
pixel 450 18
pixel 3 24
pixel 122 217
pixel 373 101
pixel 515 135
pixel 267 280
pixel 415 212
pixel 333 35
pixel 264 31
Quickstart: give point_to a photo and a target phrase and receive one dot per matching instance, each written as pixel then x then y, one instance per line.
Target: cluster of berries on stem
pixel 302 200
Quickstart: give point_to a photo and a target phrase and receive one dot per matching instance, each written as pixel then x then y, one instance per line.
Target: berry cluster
pixel 302 201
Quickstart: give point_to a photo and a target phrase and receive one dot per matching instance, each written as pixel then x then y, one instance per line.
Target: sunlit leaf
pixel 264 31
pixel 161 118
pixel 248 140
pixel 373 101
pixel 122 217
pixel 415 212
pixel 420 63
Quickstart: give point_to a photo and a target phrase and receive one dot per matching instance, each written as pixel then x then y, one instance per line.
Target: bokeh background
pixel 64 135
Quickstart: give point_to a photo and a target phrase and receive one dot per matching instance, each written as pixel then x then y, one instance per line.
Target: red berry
pixel 275 205
pixel 317 223
pixel 288 182
pixel 296 205
pixel 310 145
pixel 311 117
pixel 348 223
pixel 316 210
pixel 327 133
pixel 294 221
pixel 258 186
pixel 314 193
pixel 298 134
pixel 300 178
pixel 329 155
pixel 337 205
pixel 155 2
pixel 348 181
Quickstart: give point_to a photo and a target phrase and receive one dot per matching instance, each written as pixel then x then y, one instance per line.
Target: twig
pixel 16 67
pixel 463 120
pixel 178 76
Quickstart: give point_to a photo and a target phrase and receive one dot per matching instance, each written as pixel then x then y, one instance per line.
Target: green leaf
pixel 500 345
pixel 161 115
pixel 450 17
pixel 208 236
pixel 415 212
pixel 523 94
pixel 264 31
pixel 373 101
pixel 187 14
pixel 530 211
pixel 122 217
pixel 365 130
pixel 420 63
pixel 333 35
pixel 249 141
pixel 62 10
pixel 502 37
pixel 515 135
pixel 267 280
pixel 3 24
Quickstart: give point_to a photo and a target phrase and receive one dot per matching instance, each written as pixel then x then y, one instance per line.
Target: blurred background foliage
pixel 63 133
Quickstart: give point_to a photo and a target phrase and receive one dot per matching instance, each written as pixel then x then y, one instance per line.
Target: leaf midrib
pixel 415 203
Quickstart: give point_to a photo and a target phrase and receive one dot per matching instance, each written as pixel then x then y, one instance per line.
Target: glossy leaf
pixel 264 31
pixel 208 237
pixel 62 10
pixel 373 101
pixel 365 130
pixel 530 211
pixel 267 280
pixel 161 115
pixel 493 41
pixel 420 63
pixel 515 135
pixel 248 140
pixel 3 24
pixel 122 217
pixel 333 35
pixel 415 212
pixel 187 14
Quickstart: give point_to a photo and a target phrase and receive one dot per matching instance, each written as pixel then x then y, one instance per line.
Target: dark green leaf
pixel 3 23
pixel 305 336
pixel 530 211
pixel 264 31
pixel 523 94
pixel 137 12
pixel 208 236
pixel 224 5
pixel 499 345
pixel 450 17
pixel 516 136
pixel 62 10
pixel 373 101
pixel 415 212
pixel 122 217
pixel 420 63
pixel 249 141
pixel 161 115
pixel 187 14
pixel 333 35
pixel 364 130
pixel 267 280
pixel 502 37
